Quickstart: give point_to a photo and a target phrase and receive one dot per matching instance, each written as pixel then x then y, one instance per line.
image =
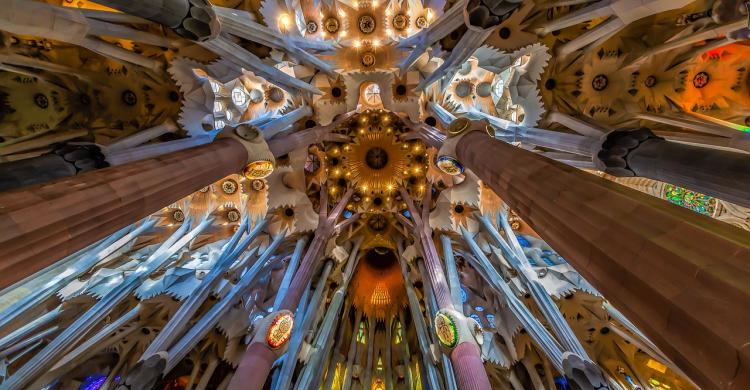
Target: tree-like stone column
pixel 258 359
pixel 43 223
pixel 682 277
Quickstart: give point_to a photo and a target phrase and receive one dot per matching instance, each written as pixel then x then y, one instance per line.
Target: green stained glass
pixel 692 200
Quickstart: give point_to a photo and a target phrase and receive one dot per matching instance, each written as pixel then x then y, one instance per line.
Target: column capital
pixel 453 328
pixel 447 158
pixel 616 148
pixel 260 160
pixel 274 331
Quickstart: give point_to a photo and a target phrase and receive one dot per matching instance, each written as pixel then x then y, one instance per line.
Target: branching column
pixel 680 276
pixel 465 357
pixel 259 357
pixel 43 223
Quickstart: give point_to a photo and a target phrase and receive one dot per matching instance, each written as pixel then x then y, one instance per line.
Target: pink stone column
pixel 468 367
pixel 254 367
pixel 43 223
pixel 253 371
pixel 681 277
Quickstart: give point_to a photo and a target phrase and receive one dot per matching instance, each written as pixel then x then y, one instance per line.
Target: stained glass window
pixel 93 382
pixel 490 319
pixel 464 295
pixel 362 334
pixel 692 200
pixel 476 318
pixel 523 241
pixel 398 334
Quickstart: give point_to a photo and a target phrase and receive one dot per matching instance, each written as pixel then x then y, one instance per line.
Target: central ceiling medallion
pixel 376 163
pixel 366 24
pixel 376 158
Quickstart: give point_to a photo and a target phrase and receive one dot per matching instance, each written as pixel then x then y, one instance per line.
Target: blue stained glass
pixel 93 382
pixel 548 260
pixel 348 214
pixel 464 295
pixel 523 241
pixel 479 308
pixel 476 318
pixel 406 213
pixel 561 383
pixel 490 319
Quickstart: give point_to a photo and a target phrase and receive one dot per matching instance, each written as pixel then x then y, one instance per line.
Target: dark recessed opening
pixel 335 161
pixel 174 96
pixel 455 35
pixel 341 182
pixel 289 212
pixel 309 124
pixel 380 258
pixel 129 98
pixel 458 208
pixel 376 158
pixel 336 92
pixel 431 121
pixel 419 158
pixel 504 33
pixel 145 331
pixel 401 90
pixel 604 330
pixel 377 201
pixel 550 84
pixel 412 180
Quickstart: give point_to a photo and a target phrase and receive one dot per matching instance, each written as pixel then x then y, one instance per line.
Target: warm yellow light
pixel 417 170
pixel 390 187
pixel 656 366
pixel 357 43
pixel 375 4
pixel 284 21
pixel 337 172
pixel 342 13
pixel 429 14
pixel 376 43
pixel 388 31
pixel 367 199
pixel 342 33
pixel 323 34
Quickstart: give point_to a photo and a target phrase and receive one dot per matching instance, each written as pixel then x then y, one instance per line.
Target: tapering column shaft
pixel 680 276
pixel 43 223
pixel 469 368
